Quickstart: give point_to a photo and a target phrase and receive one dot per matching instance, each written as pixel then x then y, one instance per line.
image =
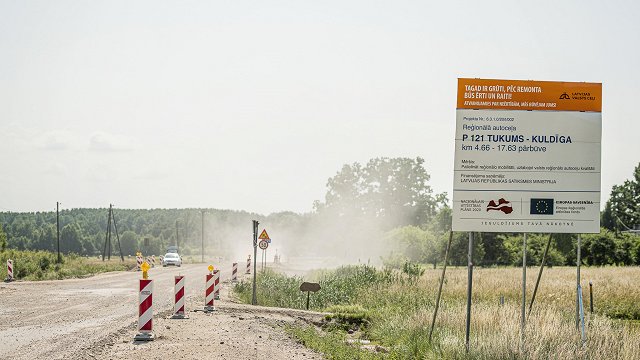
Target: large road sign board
pixel 527 156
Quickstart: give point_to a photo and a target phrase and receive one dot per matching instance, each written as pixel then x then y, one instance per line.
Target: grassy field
pixel 41 265
pixel 394 310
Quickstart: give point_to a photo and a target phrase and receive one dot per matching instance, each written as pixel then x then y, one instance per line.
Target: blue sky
pixel 253 105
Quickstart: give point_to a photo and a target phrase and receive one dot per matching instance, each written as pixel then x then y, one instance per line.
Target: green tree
pixel 622 211
pixel 70 240
pixel 415 245
pixel 458 254
pixel 393 191
pixel 599 249
pixel 495 252
pixel 46 239
pixel 3 240
pixel 129 243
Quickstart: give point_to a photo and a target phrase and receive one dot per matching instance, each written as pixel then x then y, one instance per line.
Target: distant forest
pixel 383 211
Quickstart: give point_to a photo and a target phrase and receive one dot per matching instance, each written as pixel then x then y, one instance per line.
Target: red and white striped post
pixel 178 312
pixel 208 294
pixel 9 270
pixel 248 265
pixel 145 311
pixel 153 260
pixel 216 286
pixel 234 272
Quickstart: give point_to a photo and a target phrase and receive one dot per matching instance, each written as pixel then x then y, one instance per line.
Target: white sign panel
pixel 520 167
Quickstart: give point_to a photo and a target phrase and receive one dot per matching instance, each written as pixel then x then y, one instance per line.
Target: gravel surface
pixel 96 318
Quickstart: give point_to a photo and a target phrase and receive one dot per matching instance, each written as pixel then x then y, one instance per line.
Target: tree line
pixel 383 209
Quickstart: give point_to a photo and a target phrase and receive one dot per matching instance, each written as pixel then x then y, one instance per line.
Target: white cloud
pixel 107 142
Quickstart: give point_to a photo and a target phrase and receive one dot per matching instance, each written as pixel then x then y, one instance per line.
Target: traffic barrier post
pixel 179 312
pixel 145 307
pixel 216 286
pixel 209 291
pixel 9 271
pixel 248 265
pixel 234 272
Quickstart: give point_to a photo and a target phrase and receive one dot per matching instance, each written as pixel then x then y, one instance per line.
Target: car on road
pixel 171 259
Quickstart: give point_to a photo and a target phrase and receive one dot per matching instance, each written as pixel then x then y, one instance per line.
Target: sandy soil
pixel 96 318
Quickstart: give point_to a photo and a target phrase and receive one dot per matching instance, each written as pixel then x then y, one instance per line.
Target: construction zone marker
pixel 9 271
pixel 209 293
pixel 216 286
pixel 248 265
pixel 234 272
pixel 139 261
pixel 179 312
pixel 145 307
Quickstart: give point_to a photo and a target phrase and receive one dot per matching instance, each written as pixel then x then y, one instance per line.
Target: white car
pixel 171 259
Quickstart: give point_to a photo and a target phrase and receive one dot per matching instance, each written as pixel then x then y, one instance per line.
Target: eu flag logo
pixel 541 207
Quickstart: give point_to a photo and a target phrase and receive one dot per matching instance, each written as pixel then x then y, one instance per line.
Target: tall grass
pixel 42 265
pixel 399 309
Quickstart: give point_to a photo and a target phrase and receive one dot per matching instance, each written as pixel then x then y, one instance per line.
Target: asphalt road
pixel 57 319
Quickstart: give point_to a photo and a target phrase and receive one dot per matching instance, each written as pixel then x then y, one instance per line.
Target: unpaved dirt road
pixel 96 318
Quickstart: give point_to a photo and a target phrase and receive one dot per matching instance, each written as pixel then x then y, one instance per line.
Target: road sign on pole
pixel 263 244
pixel 264 236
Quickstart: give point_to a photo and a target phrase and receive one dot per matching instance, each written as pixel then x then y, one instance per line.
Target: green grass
pixel 41 265
pixel 394 310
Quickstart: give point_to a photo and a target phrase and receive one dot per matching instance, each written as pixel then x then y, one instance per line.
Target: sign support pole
pixel 444 269
pixel 254 300
pixel 469 286
pixel 542 263
pixel 578 262
pixel 524 293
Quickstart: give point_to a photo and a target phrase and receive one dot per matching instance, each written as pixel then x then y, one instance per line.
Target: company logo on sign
pixel 541 207
pixel 502 205
pixel 564 96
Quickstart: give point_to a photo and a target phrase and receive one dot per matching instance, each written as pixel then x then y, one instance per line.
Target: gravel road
pixel 96 317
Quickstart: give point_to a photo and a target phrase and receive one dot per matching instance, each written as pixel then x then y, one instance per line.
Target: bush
pixel 42 265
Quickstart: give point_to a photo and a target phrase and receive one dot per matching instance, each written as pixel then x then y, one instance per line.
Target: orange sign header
pixel 529 95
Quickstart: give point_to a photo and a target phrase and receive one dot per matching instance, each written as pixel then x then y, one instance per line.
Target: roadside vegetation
pixel 41 265
pixel 393 309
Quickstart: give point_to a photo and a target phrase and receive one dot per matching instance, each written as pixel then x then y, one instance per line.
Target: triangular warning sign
pixel 264 235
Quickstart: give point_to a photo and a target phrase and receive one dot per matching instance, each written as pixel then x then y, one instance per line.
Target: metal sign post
pixel 263 244
pixel 444 269
pixel 578 289
pixel 524 292
pixel 535 289
pixel 254 300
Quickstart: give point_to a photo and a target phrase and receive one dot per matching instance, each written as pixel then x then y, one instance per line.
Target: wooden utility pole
pixel 107 239
pixel 202 235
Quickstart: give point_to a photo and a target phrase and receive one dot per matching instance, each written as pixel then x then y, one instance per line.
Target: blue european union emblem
pixel 541 207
